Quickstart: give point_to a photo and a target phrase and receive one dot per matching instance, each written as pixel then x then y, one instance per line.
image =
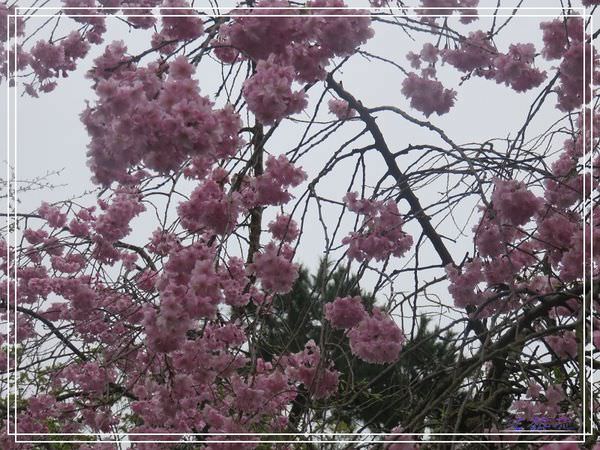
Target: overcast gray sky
pixel 51 136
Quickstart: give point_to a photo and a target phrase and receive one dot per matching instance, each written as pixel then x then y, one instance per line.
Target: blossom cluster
pixel 308 368
pixel 284 228
pixel 377 339
pixel 210 206
pixel 269 92
pixel 173 328
pixel 427 95
pixel 345 312
pixel 52 59
pixel 374 338
pixel 143 116
pixel 274 268
pixel 189 289
pixel 566 41
pixel 523 236
pixel 381 234
pixel 341 109
pixel 538 403
pixel 467 9
pixel 513 203
pixel 113 224
pixel 288 49
pixel 476 54
pixel 272 187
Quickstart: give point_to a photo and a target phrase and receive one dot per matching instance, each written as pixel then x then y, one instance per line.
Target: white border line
pixel 318 8
pixel 584 208
pixel 584 213
pixel 16 434
pixel 253 434
pixel 591 400
pixel 8 220
pixel 15 139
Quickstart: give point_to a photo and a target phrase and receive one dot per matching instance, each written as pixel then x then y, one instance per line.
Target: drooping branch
pixel 406 191
pixel 51 327
pixel 256 213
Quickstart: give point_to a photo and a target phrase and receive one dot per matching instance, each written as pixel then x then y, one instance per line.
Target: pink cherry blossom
pixel 163 242
pixel 513 203
pixel 284 228
pixel 113 224
pixel 563 345
pixel 340 35
pixel 492 236
pixel 554 232
pixel 345 312
pixel 180 27
pixel 515 68
pixel 274 268
pixel 464 283
pixel 475 52
pixel 377 339
pixel 305 42
pixel 558 35
pixel 577 60
pixel 141 117
pixel 427 96
pixel 210 207
pixel 269 92
pixel 271 188
pixel 308 368
pixel 381 235
pixel 34 236
pixel 341 109
pixel 52 215
pixel 234 283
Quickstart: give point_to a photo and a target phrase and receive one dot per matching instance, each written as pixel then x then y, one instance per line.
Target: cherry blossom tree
pixel 456 294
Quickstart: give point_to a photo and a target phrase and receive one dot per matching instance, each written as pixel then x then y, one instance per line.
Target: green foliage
pixel 376 396
pixel 298 315
pixel 387 394
pixel 55 427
